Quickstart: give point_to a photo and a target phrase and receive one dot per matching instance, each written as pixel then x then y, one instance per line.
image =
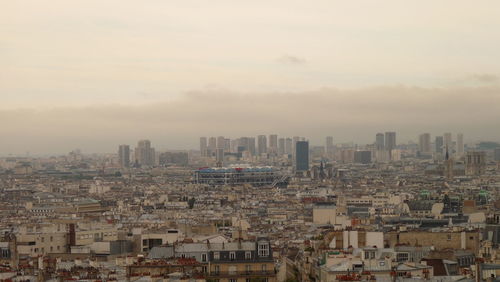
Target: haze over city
pixel 250 141
pixel 91 74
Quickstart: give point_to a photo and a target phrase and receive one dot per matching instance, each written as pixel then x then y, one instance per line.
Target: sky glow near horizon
pixel 61 62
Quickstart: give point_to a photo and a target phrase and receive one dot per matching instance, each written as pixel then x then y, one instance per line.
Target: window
pixel 248 268
pixel 369 254
pixel 43 239
pixel 264 267
pixel 449 237
pixel 232 256
pixel 232 280
pixel 204 269
pixel 217 269
pixel 248 255
pixel 51 238
pixel 402 257
pixel 263 250
pixel 232 269
pixel 216 255
pixel 203 257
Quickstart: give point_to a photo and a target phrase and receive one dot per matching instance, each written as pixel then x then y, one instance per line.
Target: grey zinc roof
pixel 233 246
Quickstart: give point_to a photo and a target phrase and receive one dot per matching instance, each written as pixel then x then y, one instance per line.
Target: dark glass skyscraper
pixel 124 155
pixel 302 156
pixel 439 144
pixel 379 141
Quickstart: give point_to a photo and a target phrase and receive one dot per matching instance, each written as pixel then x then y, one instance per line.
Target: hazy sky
pixel 93 74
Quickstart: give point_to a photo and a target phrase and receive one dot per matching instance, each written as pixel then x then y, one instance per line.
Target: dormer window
pixel 369 254
pixel 263 249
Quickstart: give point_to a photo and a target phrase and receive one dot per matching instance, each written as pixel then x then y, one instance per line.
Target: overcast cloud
pixel 91 74
pixel 348 115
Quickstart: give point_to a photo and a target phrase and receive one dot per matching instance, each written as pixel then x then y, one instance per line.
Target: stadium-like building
pixel 255 176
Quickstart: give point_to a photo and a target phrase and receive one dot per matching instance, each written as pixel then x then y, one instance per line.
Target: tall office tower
pixel 330 149
pixel 251 145
pixel 203 146
pixel 273 144
pixel 219 157
pixel 439 143
pixel 227 144
pixel 424 143
pixel 302 156
pixel 221 142
pixel 144 154
pixel 262 144
pixel 244 143
pixel 235 144
pixel 448 141
pixel 295 139
pixel 288 146
pixel 460 143
pixel 212 146
pixel 124 155
pixel 281 146
pixel 212 143
pixel 379 141
pixel 390 140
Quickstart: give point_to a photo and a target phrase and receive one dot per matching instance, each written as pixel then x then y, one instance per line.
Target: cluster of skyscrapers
pixel 441 144
pixel 144 154
pixel 261 147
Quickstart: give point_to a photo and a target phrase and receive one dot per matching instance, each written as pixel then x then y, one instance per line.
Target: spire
pixel 447 155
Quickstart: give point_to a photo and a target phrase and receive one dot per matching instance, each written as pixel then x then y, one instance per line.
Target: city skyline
pixel 250 141
pixel 434 143
pixel 177 124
